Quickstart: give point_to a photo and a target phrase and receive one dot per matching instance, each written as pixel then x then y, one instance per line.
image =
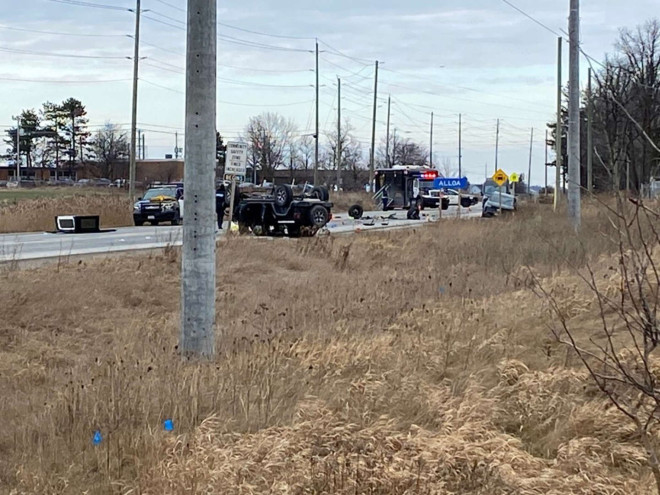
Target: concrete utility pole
pixel 198 261
pixel 460 145
pixel 529 170
pixel 590 138
pixel 316 134
pixel 387 136
pixel 497 145
pixel 339 150
pixel 18 149
pixel 373 130
pixel 574 206
pixel 136 63
pixel 559 130
pixel 431 143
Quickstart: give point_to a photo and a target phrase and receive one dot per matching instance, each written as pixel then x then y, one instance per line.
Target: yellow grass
pixel 34 215
pixel 395 363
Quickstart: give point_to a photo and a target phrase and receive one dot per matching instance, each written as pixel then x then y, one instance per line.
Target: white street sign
pixel 236 159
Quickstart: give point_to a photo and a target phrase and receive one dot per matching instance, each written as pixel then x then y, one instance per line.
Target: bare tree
pixel 402 151
pixel 447 168
pixel 305 147
pixel 269 136
pixel 351 152
pixel 110 146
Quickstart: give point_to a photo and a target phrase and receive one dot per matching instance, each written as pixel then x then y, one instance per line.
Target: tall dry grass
pixel 404 362
pixel 33 215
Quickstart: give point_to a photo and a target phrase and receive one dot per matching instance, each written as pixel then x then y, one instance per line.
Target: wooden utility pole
pixel 574 183
pixel 136 64
pixel 339 150
pixel 373 130
pixel 529 170
pixel 497 145
pixel 387 136
pixel 18 149
pixel 546 162
pixel 460 145
pixel 590 138
pixel 316 133
pixel 431 144
pixel 559 130
pixel 198 260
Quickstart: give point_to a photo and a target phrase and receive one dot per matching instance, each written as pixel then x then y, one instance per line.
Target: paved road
pixel 33 246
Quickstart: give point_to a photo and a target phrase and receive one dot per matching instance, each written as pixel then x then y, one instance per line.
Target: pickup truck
pixel 281 213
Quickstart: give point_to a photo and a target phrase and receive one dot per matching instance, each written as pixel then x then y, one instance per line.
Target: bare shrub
pixel 621 357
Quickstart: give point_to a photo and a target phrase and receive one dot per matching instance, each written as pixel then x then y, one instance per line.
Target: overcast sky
pixel 480 58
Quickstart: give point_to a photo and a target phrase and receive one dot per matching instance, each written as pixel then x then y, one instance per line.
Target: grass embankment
pixel 405 362
pixel 34 210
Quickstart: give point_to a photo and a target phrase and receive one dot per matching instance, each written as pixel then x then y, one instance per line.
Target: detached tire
pixel 318 216
pixel 356 212
pixel 283 195
pixel 321 193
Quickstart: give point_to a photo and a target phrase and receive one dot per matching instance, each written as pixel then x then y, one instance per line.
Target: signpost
pixel 500 179
pixel 235 165
pixel 514 178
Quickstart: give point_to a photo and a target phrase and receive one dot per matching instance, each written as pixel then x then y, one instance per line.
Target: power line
pixel 264 34
pixel 56 33
pixel 518 9
pixel 61 81
pixel 79 3
pixel 341 54
pixel 171 6
pixel 65 55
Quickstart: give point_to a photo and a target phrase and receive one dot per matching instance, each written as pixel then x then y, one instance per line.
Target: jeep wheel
pixel 321 192
pixel 176 220
pixel 283 195
pixel 318 215
pixel 356 212
pixel 259 230
pixel 139 223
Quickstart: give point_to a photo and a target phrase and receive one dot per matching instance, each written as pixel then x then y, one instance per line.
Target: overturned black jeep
pixel 280 212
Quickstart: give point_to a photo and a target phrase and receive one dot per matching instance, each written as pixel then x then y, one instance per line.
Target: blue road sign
pixel 446 182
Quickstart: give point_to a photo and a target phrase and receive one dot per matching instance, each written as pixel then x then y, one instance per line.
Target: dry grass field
pixel 414 361
pixel 34 210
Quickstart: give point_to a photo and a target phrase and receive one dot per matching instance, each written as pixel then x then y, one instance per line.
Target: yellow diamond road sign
pixel 500 177
pixel 514 177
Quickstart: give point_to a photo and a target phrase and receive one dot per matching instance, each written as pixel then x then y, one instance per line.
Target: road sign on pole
pixel 236 159
pixel 500 177
pixel 446 182
pixel 514 177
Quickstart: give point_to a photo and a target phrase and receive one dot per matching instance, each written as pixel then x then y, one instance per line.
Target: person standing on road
pixel 220 204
